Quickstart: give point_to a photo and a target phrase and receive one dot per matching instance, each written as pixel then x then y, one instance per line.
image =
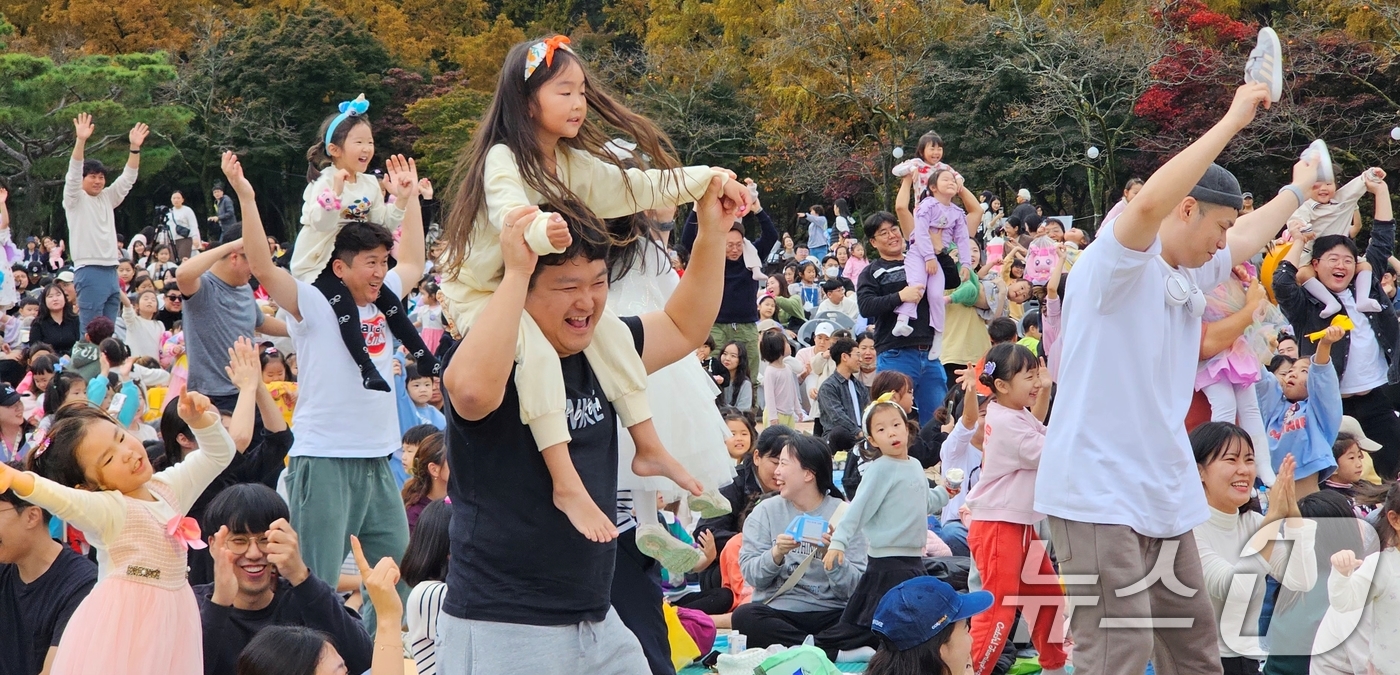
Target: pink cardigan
pixel 1013 440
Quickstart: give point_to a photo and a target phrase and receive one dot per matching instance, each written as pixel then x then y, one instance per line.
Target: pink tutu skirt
pixel 431 338
pixel 131 628
pixel 1237 365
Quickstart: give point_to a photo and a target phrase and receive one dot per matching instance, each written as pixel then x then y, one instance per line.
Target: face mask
pixel 831 272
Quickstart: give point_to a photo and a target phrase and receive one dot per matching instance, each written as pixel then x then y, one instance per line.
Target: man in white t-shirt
pixel 1117 477
pixel 338 478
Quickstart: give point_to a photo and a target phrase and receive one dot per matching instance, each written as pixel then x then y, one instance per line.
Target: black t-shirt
pixel 33 616
pixel 877 296
pixel 515 557
pixel 313 604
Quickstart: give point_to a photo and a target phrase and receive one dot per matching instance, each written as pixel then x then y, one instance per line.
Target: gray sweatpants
pixel 467 647
pixel 1117 635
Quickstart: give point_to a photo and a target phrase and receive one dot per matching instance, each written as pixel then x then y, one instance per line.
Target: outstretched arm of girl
pixel 91 511
pixel 190 477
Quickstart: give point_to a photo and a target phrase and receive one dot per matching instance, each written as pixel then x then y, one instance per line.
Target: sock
pixel 936 350
pixel 348 316
pixel 1320 292
pixel 902 327
pixel 1364 301
pixel 402 328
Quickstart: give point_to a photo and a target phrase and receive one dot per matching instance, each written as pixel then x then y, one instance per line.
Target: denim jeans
pixel 930 382
pixel 99 294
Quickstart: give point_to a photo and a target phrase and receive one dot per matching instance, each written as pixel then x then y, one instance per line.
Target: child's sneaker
pixel 902 328
pixel 1265 64
pixel 1317 152
pixel 656 542
pixel 710 504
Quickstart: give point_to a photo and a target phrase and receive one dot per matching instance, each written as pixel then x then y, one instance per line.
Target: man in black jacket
pixel 737 320
pixel 260 580
pixel 1365 371
pixel 881 290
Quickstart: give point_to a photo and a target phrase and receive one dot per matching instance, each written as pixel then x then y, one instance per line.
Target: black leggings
pixel 348 316
pixel 1377 417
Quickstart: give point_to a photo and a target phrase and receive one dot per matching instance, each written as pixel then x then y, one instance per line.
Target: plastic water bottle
pixel 738 642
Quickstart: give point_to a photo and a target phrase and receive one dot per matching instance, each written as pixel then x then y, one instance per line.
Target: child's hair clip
pixel 990 368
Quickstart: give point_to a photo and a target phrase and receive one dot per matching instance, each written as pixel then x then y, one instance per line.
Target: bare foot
pixel 585 515
pixel 663 464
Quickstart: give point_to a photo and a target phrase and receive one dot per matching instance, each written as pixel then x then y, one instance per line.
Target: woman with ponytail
pixel 770 557
pixel 428 481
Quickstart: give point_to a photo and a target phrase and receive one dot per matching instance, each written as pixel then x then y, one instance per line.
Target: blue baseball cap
pixel 913 612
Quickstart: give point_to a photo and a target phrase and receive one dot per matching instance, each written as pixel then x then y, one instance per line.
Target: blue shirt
pixel 411 414
pixel 1305 429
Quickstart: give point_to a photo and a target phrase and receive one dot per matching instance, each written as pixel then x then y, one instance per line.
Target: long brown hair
pixel 508 122
pixel 420 480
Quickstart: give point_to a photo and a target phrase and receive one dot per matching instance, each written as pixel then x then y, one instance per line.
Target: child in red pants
pixel 1002 535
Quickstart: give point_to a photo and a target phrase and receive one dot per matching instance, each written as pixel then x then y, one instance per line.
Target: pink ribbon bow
pixel 186 531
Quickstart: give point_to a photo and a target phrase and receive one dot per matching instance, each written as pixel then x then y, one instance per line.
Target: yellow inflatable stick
pixel 1341 321
pixel 1266 269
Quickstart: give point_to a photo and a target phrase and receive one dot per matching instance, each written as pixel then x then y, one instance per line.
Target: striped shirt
pixel 421 615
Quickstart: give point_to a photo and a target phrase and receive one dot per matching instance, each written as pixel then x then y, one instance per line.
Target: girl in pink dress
pixel 93 474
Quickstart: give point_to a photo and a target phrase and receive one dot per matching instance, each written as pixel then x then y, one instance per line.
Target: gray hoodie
pixel 818 590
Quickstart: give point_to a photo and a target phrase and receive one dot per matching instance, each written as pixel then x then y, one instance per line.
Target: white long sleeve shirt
pixel 92 221
pixel 101 515
pixel 1375 585
pixel 1220 542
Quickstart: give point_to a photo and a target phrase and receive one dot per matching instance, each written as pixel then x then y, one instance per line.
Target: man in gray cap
pixel 1131 339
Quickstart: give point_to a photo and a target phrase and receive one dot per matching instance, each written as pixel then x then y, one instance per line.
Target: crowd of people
pixel 943 439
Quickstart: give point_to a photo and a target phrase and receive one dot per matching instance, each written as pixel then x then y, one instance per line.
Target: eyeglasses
pixel 175 298
pixel 238 545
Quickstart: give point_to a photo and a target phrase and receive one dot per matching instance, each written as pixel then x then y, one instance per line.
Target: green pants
pixel 332 499
pixel 744 333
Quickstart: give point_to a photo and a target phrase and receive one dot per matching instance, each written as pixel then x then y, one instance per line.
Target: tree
pixel 39 99
pixel 842 80
pixel 1082 92
pixel 303 65
pixel 447 121
pixel 220 118
pixel 105 27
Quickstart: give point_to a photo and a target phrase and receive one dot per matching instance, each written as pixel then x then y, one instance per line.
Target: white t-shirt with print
pixel 1116 452
pixel 336 415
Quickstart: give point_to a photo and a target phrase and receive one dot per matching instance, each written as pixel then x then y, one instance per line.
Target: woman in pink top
pixel 1002 535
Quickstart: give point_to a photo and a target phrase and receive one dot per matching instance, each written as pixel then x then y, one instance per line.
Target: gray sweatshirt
pixel 818 590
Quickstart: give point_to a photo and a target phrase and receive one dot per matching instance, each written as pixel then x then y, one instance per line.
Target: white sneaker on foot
pixel 710 504
pixel 936 350
pixel 654 541
pixel 1265 64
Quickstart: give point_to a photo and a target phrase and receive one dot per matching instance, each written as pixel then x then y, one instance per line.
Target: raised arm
pixel 278 282
pixel 1137 228
pixel 403 180
pixel 1382 244
pixel 188 273
pixel 1253 231
pixel 686 320
pixel 476 383
pixel 901 206
pixel 73 180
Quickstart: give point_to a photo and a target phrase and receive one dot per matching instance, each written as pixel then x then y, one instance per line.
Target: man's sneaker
pixel 1265 64
pixel 654 541
pixel 1318 153
pixel 710 504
